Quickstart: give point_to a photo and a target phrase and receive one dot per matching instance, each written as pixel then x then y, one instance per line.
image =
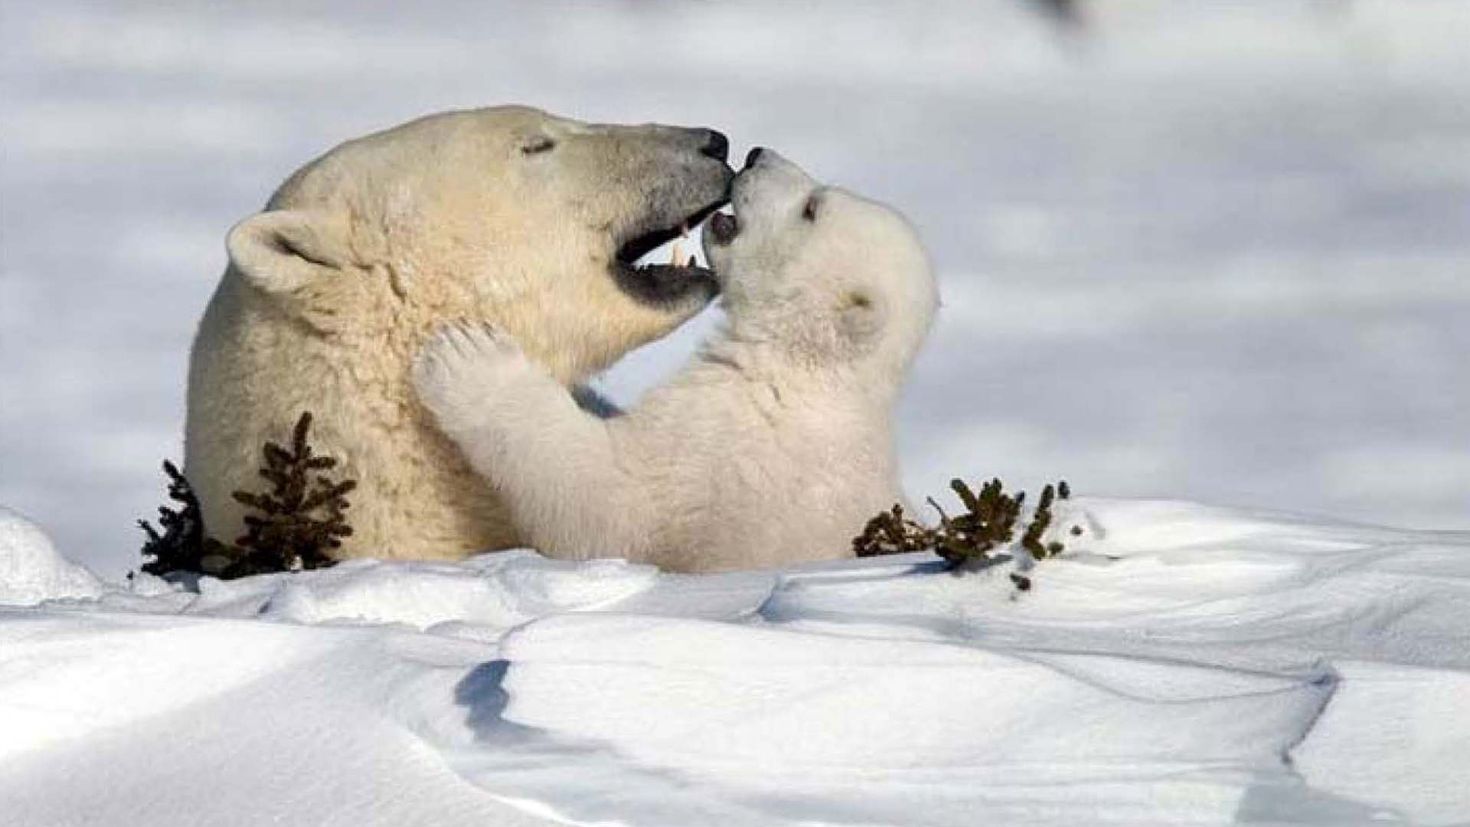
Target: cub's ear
pixel 859 315
pixel 280 251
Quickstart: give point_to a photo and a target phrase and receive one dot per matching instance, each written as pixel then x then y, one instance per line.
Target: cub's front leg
pixel 522 431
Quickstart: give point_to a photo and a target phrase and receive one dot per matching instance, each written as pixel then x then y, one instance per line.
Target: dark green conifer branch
pixel 293 526
pixel 966 540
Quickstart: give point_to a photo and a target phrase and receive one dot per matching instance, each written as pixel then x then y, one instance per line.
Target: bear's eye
pixel 538 145
pixel 809 211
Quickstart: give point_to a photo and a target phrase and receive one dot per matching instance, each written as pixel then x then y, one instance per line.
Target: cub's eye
pixel 538 145
pixel 809 212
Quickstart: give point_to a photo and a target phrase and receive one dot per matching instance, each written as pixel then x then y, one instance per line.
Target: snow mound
pixel 755 708
pixel 1178 664
pixel 31 570
pixel 493 592
pixel 1394 732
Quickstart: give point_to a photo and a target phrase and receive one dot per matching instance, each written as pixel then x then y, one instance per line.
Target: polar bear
pixel 773 446
pixel 507 215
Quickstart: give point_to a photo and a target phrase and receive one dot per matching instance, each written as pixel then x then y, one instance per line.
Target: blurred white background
pixel 1196 250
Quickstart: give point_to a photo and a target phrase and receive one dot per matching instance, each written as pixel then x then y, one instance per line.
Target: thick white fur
pixel 773 446
pixel 362 253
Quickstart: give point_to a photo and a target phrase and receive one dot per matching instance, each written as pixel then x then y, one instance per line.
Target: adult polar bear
pixel 506 215
pixel 774 445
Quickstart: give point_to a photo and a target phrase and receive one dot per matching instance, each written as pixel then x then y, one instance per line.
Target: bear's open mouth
pixel 670 282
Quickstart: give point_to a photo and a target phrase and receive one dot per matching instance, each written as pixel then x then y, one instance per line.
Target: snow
pixel 31 570
pixel 1202 250
pixel 1178 664
pixel 1394 732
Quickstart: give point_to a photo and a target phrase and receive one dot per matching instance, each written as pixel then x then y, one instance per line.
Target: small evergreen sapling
pixel 1040 521
pixel 301 519
pixel 294 526
pixel 989 521
pixel 966 540
pixel 890 532
pixel 183 545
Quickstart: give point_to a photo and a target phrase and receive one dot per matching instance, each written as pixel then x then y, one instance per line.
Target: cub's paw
pixel 462 366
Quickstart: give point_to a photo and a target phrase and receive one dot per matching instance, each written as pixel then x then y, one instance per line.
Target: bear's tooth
pixel 674 254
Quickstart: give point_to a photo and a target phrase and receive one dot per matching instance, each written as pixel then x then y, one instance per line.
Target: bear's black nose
pixel 717 146
pixel 752 156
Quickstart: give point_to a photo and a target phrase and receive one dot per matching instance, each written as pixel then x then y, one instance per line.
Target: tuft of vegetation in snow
pixel 967 540
pixel 291 527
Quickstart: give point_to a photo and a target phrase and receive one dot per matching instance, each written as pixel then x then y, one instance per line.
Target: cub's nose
pixel 752 156
pixel 716 145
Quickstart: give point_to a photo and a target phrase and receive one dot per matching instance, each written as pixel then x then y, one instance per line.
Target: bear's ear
pixel 859 315
pixel 280 251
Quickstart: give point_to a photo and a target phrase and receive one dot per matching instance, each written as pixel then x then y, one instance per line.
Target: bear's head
pixel 834 280
pixel 505 214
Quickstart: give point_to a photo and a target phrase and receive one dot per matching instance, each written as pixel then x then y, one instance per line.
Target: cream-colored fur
pixel 773 446
pixel 504 215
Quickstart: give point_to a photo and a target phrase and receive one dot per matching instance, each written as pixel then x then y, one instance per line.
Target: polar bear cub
pixel 773 446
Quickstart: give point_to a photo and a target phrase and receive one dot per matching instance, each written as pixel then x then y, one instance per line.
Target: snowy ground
pixel 1202 250
pixel 1180 665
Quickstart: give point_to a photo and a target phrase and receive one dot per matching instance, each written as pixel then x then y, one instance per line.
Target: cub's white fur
pixel 773 446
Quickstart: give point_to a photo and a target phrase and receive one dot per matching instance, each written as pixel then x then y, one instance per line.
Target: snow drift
pixel 1179 664
pixel 31 570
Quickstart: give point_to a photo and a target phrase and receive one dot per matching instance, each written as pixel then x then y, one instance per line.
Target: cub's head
pixel 833 278
pixel 508 215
